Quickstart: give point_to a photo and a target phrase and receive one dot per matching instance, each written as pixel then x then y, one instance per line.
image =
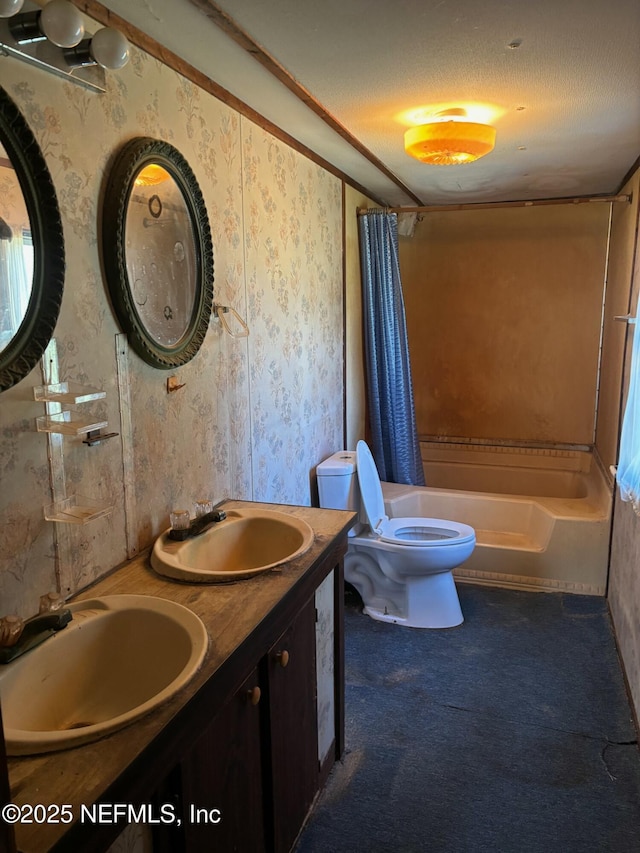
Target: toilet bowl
pixel 402 567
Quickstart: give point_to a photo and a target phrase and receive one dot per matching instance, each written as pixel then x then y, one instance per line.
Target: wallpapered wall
pixel 624 578
pixel 255 415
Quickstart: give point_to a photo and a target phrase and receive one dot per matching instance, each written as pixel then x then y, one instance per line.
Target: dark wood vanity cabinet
pixel 249 780
pixel 241 760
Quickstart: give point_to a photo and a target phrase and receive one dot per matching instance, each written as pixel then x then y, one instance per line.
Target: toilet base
pixel 432 602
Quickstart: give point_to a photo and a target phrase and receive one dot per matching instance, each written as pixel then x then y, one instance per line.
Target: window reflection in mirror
pixel 32 261
pixel 16 253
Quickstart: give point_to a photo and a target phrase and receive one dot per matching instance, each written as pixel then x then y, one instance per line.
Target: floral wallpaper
pixel 624 578
pixel 293 247
pixel 254 415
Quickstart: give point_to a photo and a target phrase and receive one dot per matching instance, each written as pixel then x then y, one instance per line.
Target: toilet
pixel 402 567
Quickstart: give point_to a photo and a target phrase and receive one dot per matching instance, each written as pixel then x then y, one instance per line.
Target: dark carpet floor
pixel 509 734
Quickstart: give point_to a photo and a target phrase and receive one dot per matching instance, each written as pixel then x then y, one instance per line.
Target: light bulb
pixel 109 48
pixel 61 23
pixel 10 7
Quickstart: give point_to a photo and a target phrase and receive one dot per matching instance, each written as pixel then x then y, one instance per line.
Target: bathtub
pixel 542 517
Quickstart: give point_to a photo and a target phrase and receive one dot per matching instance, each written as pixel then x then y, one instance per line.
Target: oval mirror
pixel 31 248
pixel 157 252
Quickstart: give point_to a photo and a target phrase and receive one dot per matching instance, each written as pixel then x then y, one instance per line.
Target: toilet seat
pixel 407 532
pixel 424 532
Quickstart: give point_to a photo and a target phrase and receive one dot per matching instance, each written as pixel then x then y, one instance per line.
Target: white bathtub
pixel 542 517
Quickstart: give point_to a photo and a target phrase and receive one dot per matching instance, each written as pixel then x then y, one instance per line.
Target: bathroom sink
pixel 118 658
pixel 246 543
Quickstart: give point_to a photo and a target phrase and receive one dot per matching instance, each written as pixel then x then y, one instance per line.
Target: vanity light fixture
pixel 53 38
pixel 450 139
pixel 108 48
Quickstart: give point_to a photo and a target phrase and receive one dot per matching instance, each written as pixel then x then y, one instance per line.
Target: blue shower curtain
pixel 394 436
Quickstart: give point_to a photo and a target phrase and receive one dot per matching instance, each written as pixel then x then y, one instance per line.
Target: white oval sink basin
pixel 118 658
pixel 246 543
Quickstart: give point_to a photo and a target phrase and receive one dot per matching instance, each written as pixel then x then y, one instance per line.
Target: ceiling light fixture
pixel 53 38
pixel 151 175
pixel 450 139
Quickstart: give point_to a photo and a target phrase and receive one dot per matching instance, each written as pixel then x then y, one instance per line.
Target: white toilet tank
pixel 338 483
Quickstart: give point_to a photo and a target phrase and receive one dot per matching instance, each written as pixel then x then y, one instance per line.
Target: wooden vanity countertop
pixel 231 613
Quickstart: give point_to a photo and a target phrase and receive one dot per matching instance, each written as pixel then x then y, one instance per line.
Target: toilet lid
pixel 419 532
pixel 370 488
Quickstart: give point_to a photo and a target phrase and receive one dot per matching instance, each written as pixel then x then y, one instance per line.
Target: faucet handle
pixel 203 506
pixel 51 602
pixel 10 630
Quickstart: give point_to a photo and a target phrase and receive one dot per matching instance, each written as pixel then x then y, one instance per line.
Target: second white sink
pixel 248 542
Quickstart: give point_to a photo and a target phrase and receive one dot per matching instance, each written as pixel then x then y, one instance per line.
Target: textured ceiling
pixel 560 79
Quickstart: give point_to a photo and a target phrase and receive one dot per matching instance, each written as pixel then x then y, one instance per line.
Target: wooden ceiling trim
pixel 107 18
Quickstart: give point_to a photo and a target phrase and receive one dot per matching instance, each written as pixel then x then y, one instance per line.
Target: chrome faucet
pixel 198 525
pixel 18 637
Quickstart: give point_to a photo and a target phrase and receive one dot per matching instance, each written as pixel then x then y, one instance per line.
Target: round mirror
pixel 157 252
pixel 31 248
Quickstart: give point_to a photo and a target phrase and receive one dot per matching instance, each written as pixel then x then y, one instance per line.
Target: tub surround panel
pixel 246 404
pixel 506 455
pixel 506 470
pixel 503 319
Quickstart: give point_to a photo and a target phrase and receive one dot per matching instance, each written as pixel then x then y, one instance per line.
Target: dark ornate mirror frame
pixel 134 157
pixel 24 350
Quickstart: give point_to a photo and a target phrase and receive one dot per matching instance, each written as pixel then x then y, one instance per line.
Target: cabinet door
pixel 291 665
pixel 221 779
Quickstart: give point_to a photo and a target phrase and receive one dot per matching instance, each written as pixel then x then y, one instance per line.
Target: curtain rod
pixel 497 204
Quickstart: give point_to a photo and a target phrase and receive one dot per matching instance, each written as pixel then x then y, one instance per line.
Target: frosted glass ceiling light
pixel 449 140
